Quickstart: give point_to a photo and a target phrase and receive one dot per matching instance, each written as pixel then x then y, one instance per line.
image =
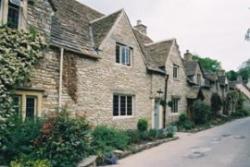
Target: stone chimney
pixel 221 72
pixel 188 56
pixel 141 27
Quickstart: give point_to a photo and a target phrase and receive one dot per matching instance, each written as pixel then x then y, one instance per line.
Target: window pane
pixel 115 105
pixel 13 16
pixel 129 105
pixel 17 104
pixel 123 105
pixel 124 55
pixel 117 53
pixel 175 72
pixel 30 107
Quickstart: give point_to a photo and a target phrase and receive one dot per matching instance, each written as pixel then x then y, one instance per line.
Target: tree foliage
pixel 244 70
pixel 208 64
pixel 232 75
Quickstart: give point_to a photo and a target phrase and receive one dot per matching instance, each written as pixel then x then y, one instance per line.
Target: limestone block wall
pixel 176 87
pixel 39 16
pixel 100 79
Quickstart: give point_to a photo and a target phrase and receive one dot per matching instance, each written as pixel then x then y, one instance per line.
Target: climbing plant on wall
pixel 19 52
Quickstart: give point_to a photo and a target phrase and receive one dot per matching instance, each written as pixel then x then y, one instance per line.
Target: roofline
pixel 73 51
pixel 105 16
pixel 166 40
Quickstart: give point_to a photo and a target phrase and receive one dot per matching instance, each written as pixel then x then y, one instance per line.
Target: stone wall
pixel 100 79
pixel 46 77
pixel 176 87
pixel 39 16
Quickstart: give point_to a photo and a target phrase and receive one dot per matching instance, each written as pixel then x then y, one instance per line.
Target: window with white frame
pixel 175 71
pixel 124 54
pixel 122 105
pixel 175 105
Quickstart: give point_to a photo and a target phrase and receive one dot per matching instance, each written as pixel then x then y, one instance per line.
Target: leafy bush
pixel 19 139
pixel 200 112
pixel 240 113
pixel 184 122
pixel 112 138
pixel 30 163
pixel 142 125
pixel 216 103
pixel 64 141
pixel 134 136
pixel 105 140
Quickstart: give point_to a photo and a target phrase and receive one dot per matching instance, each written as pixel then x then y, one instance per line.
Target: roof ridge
pixel 91 8
pixel 154 43
pixel 105 16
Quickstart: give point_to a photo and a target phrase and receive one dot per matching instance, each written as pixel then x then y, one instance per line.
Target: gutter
pixel 60 79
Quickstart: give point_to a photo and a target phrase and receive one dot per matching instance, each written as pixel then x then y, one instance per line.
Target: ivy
pixel 19 52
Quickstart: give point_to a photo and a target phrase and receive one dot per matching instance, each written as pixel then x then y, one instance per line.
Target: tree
pixel 244 70
pixel 232 75
pixel 208 64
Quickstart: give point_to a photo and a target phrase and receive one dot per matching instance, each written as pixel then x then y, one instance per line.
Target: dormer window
pixel 175 71
pixel 123 54
pixel 13 14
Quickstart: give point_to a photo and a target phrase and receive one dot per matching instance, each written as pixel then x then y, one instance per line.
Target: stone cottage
pixel 203 84
pixel 96 66
pixel 99 66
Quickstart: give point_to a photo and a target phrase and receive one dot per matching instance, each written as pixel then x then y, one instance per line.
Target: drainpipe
pixel 60 79
pixel 165 100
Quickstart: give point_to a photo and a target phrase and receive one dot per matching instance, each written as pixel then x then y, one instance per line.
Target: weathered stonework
pixel 176 87
pixel 100 79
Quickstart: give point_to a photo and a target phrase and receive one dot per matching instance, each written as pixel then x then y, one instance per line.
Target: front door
pixel 157 108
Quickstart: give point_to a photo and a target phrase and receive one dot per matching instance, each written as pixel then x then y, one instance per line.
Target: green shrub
pixel 64 141
pixel 109 137
pixel 19 139
pixel 105 140
pixel 184 122
pixel 142 125
pixel 240 113
pixel 30 163
pixel 201 112
pixel 216 103
pixel 134 136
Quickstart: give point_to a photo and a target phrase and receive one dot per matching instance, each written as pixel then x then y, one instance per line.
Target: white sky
pixel 210 28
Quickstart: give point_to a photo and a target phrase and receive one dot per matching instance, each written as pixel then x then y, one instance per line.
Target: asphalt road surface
pixel 224 146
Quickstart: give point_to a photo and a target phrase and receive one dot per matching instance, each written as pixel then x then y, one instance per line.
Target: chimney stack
pixel 141 27
pixel 188 56
pixel 221 72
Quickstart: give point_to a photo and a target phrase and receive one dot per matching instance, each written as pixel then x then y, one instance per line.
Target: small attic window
pixel 124 54
pixel 175 71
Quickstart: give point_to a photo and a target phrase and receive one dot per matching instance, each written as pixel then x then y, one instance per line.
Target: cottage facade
pixel 100 66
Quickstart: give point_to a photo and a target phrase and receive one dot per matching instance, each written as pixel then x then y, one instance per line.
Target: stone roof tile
pixel 102 26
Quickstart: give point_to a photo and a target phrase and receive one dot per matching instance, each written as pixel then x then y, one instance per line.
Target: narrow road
pixel 224 146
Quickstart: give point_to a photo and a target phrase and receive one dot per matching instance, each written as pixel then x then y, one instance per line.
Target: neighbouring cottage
pixel 100 67
pixel 203 84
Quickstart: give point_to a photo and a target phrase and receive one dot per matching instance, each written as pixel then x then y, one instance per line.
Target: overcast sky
pixel 209 28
